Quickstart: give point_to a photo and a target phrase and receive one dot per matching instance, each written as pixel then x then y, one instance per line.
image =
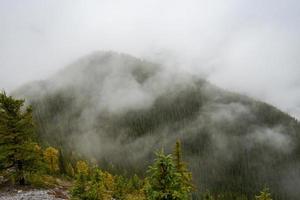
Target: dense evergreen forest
pixel 113 111
pixel 25 162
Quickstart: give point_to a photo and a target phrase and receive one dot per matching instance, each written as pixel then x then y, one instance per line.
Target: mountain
pixel 118 109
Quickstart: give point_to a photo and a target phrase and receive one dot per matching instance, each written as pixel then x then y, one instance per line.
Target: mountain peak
pixel 112 106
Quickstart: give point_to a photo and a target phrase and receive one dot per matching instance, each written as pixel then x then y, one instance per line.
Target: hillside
pixel 118 109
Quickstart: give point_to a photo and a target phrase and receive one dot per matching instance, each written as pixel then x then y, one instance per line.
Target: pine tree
pixel 207 196
pixel 62 162
pixel 135 183
pixel 70 170
pixel 120 187
pixel 18 150
pixel 164 182
pixel 264 195
pixel 181 167
pixel 95 186
pixel 79 190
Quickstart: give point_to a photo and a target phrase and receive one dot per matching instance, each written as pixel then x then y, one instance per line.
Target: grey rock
pixel 30 195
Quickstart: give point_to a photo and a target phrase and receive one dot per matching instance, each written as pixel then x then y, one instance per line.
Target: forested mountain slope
pixel 117 109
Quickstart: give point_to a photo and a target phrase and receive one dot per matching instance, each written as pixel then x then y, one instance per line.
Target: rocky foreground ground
pixel 34 194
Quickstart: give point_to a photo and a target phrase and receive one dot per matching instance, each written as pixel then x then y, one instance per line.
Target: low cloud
pixel 275 138
pixel 249 47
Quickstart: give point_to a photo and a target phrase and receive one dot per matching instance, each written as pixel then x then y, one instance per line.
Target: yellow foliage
pixel 82 167
pixel 103 185
pixel 136 195
pixel 51 158
pixel 105 194
pixel 108 180
pixel 107 185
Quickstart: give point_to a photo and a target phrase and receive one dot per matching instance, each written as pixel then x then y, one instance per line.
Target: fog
pixel 242 46
pixel 246 46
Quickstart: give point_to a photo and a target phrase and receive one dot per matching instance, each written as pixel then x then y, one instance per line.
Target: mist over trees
pixel 109 106
pixel 21 156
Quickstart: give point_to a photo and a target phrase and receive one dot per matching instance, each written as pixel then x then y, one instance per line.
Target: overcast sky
pixel 251 47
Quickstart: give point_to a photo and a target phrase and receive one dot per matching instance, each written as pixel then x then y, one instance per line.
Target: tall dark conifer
pixel 18 152
pixel 163 182
pixel 181 167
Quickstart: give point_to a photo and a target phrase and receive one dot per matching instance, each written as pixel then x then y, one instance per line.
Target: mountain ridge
pixel 111 106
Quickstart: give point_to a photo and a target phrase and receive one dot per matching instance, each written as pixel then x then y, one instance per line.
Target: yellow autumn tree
pixel 82 167
pixel 51 158
pixel 136 195
pixel 108 180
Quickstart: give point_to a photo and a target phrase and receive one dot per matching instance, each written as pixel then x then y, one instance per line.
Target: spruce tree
pixel 18 152
pixel 181 167
pixel 264 195
pixel 164 182
pixel 61 162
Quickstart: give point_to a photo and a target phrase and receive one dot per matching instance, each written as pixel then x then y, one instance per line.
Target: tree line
pixel 23 161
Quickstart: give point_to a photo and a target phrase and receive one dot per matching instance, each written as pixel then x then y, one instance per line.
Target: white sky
pixel 250 47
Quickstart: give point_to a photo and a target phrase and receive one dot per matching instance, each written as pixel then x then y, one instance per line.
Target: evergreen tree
pixel 70 170
pixel 181 167
pixel 120 188
pixel 95 187
pixel 135 183
pixel 264 195
pixel 207 196
pixel 164 182
pixel 79 190
pixel 18 152
pixel 62 162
